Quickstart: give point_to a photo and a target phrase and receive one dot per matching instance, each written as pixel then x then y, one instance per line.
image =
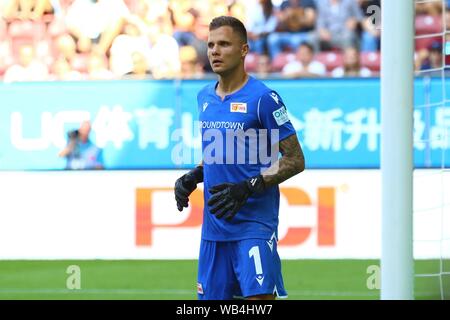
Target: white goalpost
pixel 434 211
pixel 413 198
pixel 397 100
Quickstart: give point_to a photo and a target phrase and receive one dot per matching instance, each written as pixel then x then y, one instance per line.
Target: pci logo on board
pixel 146 198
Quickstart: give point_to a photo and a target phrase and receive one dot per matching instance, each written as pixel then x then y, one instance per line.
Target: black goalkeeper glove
pixel 185 185
pixel 228 198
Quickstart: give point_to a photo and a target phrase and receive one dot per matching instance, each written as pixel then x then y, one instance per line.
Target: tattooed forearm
pixel 291 162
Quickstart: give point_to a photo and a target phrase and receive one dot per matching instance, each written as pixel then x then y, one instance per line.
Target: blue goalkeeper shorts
pixel 239 269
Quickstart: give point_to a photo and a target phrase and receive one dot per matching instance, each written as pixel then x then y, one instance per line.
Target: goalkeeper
pixel 238 251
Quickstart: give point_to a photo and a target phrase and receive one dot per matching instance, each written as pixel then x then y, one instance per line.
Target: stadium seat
pixel 27 28
pixel 281 60
pixel 330 59
pixel 371 60
pixel 425 43
pixel 25 32
pixel 426 24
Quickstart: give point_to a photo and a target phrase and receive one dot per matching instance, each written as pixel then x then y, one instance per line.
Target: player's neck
pixel 231 83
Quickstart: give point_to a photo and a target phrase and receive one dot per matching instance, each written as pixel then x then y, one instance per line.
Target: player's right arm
pixel 68 149
pixel 186 184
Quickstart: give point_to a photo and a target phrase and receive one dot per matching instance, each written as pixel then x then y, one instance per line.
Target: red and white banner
pixel 324 214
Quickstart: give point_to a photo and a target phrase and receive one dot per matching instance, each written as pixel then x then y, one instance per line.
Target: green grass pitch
pixel 176 280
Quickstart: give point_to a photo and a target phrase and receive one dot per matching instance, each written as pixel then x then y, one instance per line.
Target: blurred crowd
pixel 165 39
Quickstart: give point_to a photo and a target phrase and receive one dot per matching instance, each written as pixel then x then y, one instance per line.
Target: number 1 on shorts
pixel 254 252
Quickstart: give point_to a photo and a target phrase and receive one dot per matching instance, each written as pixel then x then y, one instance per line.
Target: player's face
pixel 226 50
pixel 85 129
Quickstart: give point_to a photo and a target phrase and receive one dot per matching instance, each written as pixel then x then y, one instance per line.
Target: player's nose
pixel 214 50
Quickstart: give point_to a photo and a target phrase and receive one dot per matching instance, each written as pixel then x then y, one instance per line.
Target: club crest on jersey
pixel 238 107
pixel 199 288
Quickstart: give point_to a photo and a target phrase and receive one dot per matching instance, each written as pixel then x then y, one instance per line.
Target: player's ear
pixel 244 50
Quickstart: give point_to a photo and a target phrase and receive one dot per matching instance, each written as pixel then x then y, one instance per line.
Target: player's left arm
pixel 228 198
pixel 292 162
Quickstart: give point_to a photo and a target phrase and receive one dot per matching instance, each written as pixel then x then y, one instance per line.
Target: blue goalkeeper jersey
pixel 237 135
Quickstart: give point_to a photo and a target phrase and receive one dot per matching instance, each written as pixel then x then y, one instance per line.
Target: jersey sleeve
pixel 272 114
pixel 201 97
